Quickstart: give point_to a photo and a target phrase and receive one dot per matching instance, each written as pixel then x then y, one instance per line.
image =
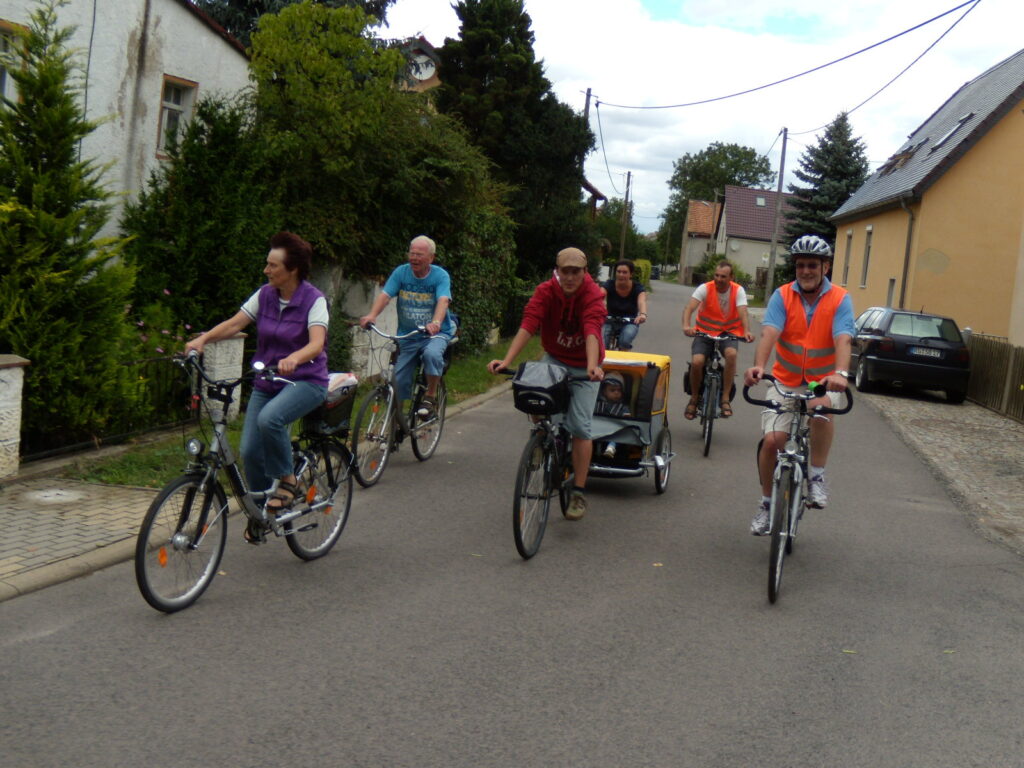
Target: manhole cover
pixel 55 496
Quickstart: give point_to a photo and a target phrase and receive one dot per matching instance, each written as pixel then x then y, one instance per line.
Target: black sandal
pixel 286 501
pixel 254 532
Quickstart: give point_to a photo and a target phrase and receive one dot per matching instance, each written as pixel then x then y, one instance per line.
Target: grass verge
pixel 151 462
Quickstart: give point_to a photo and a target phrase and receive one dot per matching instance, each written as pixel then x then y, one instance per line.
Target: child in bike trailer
pixel 611 402
pixel 568 312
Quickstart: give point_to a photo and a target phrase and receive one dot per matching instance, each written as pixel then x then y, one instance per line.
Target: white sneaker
pixel 609 452
pixel 762 520
pixel 577 507
pixel 817 492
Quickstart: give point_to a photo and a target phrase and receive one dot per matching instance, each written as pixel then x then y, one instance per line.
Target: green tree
pixel 495 86
pixel 63 291
pixel 830 171
pixel 201 226
pixel 609 227
pixel 699 176
pixel 240 17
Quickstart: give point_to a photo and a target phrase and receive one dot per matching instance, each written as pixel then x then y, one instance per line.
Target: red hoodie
pixel 565 322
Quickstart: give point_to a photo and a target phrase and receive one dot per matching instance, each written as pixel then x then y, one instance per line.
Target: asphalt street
pixel 640 636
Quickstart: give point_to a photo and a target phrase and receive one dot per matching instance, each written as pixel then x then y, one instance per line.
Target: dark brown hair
pixel 298 254
pixel 625 263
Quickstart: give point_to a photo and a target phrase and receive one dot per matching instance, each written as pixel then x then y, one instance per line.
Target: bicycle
pixel 545 468
pixel 375 434
pixel 789 482
pixel 181 540
pixel 617 323
pixel 712 385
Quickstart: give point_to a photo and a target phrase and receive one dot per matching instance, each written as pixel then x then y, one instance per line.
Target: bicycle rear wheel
pixel 781 507
pixel 662 450
pixel 372 434
pixel 711 396
pixel 532 496
pixel 425 434
pixel 180 543
pixel 326 489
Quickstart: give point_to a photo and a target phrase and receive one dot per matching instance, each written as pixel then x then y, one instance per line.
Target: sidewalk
pixel 60 529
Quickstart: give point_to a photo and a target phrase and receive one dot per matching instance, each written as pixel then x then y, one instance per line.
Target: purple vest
pixel 279 333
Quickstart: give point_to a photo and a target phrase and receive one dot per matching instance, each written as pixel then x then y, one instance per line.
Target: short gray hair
pixel 431 245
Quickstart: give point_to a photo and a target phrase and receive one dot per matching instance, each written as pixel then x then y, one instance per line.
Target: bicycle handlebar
pixel 722 337
pixel 510 372
pixel 619 319
pixel 810 394
pixel 420 329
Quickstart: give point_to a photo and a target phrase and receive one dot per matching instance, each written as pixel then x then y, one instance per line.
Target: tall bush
pixel 63 291
pixel 200 229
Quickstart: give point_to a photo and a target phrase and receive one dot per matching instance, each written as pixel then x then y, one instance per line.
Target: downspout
pixel 906 252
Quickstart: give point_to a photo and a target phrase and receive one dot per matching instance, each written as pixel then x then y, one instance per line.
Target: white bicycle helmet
pixel 810 245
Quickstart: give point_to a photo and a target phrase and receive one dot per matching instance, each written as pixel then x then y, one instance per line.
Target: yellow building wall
pixel 967 252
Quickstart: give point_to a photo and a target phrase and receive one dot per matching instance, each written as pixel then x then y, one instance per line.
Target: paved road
pixel 640 636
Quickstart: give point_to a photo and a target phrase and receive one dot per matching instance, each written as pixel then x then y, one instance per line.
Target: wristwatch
pixel 844 373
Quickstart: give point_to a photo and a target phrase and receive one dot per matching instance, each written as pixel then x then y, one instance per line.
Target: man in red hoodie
pixel 569 312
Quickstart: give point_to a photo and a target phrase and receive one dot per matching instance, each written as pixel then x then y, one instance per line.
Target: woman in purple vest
pixel 291 327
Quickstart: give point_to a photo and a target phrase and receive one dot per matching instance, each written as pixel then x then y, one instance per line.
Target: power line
pixel 600 133
pixel 801 74
pixel 901 73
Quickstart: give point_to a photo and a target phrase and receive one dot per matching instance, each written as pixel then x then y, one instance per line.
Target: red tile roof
pixel 745 218
pixel 702 219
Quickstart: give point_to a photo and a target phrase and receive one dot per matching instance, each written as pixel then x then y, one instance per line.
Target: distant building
pixel 744 232
pixel 145 64
pixel 940 225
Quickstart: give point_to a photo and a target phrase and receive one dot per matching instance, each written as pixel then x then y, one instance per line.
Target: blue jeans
pixel 627 333
pixel 409 351
pixel 266 440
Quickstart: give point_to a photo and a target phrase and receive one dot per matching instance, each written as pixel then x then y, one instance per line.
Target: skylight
pixel 949 134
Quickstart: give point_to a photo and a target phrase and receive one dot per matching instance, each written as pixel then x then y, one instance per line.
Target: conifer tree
pixel 63 292
pixel 830 171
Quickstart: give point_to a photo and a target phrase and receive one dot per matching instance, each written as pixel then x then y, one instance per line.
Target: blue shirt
pixel 417 297
pixel 775 314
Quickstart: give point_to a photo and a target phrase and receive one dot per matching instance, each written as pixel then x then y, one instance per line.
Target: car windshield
pixel 923 326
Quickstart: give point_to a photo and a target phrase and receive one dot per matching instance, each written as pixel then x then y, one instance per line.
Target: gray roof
pixel 942 139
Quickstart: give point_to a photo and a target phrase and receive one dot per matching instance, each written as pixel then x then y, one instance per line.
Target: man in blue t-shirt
pixel 424 293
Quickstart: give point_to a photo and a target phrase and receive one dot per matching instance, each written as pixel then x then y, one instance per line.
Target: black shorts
pixel 703 345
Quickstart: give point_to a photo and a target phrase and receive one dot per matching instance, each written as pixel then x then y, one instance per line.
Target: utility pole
pixel 625 217
pixel 586 109
pixel 769 282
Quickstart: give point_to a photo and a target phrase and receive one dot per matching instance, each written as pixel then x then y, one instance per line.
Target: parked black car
pixel 910 348
pixel 655 272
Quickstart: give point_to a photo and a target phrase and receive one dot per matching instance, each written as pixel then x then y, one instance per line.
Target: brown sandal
pixel 726 409
pixel 286 501
pixel 691 411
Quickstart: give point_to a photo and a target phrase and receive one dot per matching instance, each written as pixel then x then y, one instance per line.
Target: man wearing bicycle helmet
pixel 809 325
pixel 721 307
pixel 568 312
pixel 424 292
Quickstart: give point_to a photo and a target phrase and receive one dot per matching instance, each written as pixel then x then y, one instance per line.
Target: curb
pixel 124 549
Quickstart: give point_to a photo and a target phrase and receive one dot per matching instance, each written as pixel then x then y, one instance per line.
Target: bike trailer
pixel 540 389
pixel 646 388
pixel 334 413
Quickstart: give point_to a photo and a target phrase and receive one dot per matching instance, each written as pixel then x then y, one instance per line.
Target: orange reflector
pixel 327 510
pixel 161 557
pixel 311 494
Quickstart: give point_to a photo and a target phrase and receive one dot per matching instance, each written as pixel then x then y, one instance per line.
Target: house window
pixel 846 257
pixel 761 202
pixel 949 134
pixel 867 260
pixel 175 108
pixel 891 293
pixel 6 48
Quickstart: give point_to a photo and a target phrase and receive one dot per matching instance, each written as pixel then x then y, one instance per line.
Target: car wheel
pixel 956 396
pixel 862 380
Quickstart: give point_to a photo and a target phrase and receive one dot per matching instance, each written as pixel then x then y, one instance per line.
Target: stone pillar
pixel 358 298
pixel 12 378
pixel 223 360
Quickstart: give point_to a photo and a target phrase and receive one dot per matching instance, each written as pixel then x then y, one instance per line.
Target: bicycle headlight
pixel 195 447
pixel 791 446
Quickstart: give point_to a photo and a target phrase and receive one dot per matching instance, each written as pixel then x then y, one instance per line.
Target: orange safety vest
pixel 710 318
pixel 805 354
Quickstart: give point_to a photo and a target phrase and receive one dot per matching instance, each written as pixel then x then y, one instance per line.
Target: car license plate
pixel 925 352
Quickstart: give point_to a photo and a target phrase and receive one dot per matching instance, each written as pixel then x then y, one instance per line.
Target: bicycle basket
pixel 334 413
pixel 540 389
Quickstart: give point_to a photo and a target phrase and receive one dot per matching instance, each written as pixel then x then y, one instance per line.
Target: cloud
pixel 658 52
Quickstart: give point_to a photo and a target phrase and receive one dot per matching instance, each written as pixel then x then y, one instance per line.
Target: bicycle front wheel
pixel 781 508
pixel 426 433
pixel 371 436
pixel 711 393
pixel 326 489
pixel 180 543
pixel 532 497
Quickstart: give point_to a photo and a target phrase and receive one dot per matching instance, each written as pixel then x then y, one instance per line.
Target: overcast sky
pixel 663 52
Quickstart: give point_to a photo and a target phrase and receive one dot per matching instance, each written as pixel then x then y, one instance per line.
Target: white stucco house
pixel 145 64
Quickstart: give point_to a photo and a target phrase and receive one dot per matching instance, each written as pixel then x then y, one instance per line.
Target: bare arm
pixel 641 305
pixel 518 342
pixel 594 358
pixel 224 330
pixel 837 382
pixel 440 310
pixel 745 319
pixel 769 335
pixel 378 306
pixel 688 311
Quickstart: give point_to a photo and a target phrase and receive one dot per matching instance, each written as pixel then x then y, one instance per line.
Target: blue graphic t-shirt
pixel 418 296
